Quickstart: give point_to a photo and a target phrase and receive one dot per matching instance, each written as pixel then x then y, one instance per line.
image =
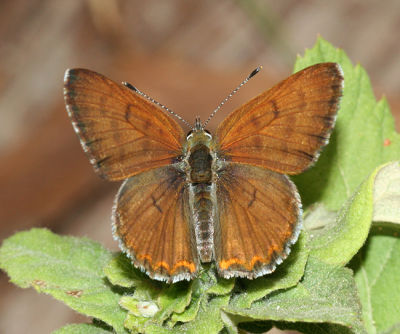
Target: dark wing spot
pixel 327 120
pixel 321 139
pixel 80 125
pixel 90 142
pixel 155 204
pixel 334 99
pixel 128 113
pixel 100 162
pixel 252 199
pixel 275 108
pixel 309 156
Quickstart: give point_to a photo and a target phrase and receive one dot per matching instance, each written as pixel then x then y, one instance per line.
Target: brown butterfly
pixel 201 198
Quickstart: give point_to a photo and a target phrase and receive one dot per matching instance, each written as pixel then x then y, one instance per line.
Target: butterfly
pixel 197 198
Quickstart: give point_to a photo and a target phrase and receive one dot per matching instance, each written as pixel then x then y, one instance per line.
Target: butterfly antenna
pixel 127 84
pixel 252 74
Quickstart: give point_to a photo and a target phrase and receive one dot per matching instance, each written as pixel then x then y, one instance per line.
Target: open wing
pixel 284 128
pixel 122 132
pixel 259 219
pixel 152 222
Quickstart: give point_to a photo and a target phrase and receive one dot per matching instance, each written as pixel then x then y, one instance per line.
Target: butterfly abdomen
pixel 202 206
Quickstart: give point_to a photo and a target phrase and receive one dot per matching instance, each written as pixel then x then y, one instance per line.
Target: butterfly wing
pixel 284 128
pixel 259 219
pixel 122 132
pixel 152 221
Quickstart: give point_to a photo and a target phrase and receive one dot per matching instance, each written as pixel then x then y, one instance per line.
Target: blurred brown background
pixel 186 54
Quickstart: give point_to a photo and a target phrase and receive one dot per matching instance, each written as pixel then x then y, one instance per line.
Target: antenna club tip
pixel 252 74
pixel 127 84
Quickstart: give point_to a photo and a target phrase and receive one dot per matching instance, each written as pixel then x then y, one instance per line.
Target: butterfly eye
pixel 190 134
pixel 208 133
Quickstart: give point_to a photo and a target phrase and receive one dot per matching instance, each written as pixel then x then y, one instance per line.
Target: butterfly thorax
pixel 200 161
pixel 200 176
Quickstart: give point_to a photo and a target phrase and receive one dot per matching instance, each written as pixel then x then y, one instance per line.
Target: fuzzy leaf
pixel 136 324
pixel 174 299
pixel 337 243
pixel 206 284
pixel 387 194
pixel 120 271
pixel 176 302
pixel 81 329
pixel 191 312
pixel 140 312
pixel 377 272
pixel 69 269
pixel 141 308
pixel 364 136
pixel 318 217
pixel 223 287
pixel 326 294
pixel 207 321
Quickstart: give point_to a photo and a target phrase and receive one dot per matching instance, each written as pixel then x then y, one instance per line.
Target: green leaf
pixel 206 284
pixel 174 299
pixel 337 243
pixel 69 269
pixel 207 321
pixel 179 302
pixel 136 324
pixel 120 271
pixel 377 272
pixel 318 217
pixel 288 274
pixel 223 287
pixel 190 313
pixel 326 294
pixel 364 136
pixel 387 194
pixel 140 312
pixel 81 329
pixel 141 308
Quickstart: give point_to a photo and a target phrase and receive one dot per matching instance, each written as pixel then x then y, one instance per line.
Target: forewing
pixel 122 132
pixel 151 221
pixel 284 128
pixel 259 219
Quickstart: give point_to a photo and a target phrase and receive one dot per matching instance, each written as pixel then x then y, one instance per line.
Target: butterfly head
pixel 198 135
